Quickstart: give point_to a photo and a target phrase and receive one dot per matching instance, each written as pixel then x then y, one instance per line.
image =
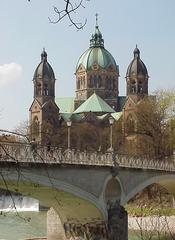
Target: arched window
pixel 106 83
pixel 130 124
pixel 38 89
pixel 78 83
pixel 46 91
pixel 140 87
pixel 133 87
pixel 35 126
pixel 110 83
pixel 95 81
pixel 83 81
pixel 114 82
pixel 100 82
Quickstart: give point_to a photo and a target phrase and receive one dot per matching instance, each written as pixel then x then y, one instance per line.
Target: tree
pixel 22 129
pixel 156 122
pixel 68 10
pixel 90 136
pixel 150 213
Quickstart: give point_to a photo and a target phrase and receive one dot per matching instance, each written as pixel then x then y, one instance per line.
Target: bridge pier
pixel 69 230
pixel 115 229
pixel 55 230
pixel 94 231
pixel 117 222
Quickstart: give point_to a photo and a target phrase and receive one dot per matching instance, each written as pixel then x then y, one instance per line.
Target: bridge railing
pixel 22 153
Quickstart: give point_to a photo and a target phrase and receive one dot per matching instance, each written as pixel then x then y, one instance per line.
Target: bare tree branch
pixel 69 9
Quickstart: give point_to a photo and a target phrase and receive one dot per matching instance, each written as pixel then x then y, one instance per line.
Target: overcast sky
pixel 25 30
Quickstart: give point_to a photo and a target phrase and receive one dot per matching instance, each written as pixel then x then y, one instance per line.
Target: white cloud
pixel 9 73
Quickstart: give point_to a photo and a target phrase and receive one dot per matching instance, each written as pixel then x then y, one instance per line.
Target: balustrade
pixel 20 152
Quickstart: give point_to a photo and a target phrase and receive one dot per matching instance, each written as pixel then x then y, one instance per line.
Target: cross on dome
pixel 96 19
pixel 44 55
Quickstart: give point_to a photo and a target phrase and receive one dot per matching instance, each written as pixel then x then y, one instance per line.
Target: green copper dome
pixel 96 54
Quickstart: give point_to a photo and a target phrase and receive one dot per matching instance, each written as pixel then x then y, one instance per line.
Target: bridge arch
pixel 167 181
pixel 69 201
pixel 112 190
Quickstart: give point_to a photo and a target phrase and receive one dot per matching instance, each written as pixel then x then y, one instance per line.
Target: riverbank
pixel 161 224
pixel 150 225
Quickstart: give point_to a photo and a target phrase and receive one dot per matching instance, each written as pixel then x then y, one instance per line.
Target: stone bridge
pixel 85 190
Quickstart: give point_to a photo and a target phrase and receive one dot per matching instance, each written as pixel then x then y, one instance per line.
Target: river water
pixel 32 224
pixel 26 225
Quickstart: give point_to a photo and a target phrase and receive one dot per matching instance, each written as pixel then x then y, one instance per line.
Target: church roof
pixel 44 69
pixel 94 104
pixel 136 67
pixel 121 102
pixel 65 104
pixel 116 115
pixel 96 55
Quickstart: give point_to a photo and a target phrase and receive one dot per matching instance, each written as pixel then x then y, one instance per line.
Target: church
pixel 96 95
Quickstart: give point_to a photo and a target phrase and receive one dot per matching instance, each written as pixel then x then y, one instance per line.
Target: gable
pixel 90 117
pixel 81 68
pixel 94 104
pixel 129 104
pixel 36 106
pixel 50 104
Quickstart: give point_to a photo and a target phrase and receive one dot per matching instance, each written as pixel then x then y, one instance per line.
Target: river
pixel 26 225
pixel 32 224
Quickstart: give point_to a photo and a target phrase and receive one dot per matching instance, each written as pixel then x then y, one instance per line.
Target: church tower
pixel 137 77
pixel 44 113
pixel 97 72
pixel 136 90
pixel 44 81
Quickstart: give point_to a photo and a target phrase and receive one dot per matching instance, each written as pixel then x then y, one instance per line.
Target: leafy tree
pixel 156 121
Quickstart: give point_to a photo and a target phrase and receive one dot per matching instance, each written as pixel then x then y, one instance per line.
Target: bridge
pixel 86 191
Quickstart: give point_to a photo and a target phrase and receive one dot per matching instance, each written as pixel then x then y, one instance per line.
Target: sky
pixel 25 30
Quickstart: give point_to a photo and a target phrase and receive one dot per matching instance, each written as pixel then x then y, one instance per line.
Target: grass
pixel 145 212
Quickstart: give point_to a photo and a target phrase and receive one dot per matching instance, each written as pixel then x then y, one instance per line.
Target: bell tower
pixel 136 89
pixel 44 113
pixel 44 81
pixel 137 77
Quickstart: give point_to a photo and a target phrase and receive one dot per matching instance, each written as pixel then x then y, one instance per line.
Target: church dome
pixel 136 67
pixel 96 54
pixel 44 70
